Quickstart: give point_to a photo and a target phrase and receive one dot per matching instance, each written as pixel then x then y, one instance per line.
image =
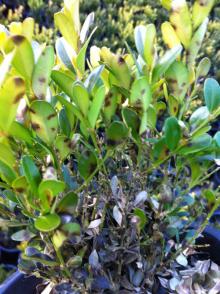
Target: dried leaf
pixel 117 215
pixel 94 224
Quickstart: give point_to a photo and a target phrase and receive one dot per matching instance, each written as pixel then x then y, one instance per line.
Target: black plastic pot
pixel 9 256
pixel 18 283
pixel 211 237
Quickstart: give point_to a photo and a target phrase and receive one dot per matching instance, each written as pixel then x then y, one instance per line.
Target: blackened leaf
pixel 101 283
pixel 87 164
pixel 116 133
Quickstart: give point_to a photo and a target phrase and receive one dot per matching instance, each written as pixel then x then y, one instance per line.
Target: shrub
pixel 98 168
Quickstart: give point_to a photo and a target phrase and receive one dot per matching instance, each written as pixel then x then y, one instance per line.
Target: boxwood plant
pixel 104 158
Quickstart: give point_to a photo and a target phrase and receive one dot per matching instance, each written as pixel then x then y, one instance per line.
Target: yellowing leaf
pixel 23 60
pixel 181 20
pixel 71 9
pixel 15 28
pixel 28 28
pixel 66 27
pixel 201 10
pixel 10 95
pixel 169 35
pixel 196 42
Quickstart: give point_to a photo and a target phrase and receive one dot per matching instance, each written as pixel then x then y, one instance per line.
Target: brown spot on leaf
pixel 166 152
pixel 19 190
pixel 35 126
pixel 92 167
pixel 108 99
pixel 51 116
pixel 41 96
pixel 42 80
pixel 18 82
pixel 18 39
pixel 32 111
pixel 121 60
pixel 53 129
pixel 18 98
pixel 66 140
pixel 143 92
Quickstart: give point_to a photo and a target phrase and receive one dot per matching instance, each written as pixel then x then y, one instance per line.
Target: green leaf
pixel 7 155
pixel 196 42
pixel 72 228
pixel 172 133
pixel 20 132
pixel 64 81
pixel 7 173
pixel 142 216
pixel 81 57
pixel 64 122
pixel 212 94
pixel 196 145
pixel 173 104
pixel 63 145
pixel 62 52
pixel 165 62
pixel 177 77
pixel 68 203
pixel 145 37
pixel 93 78
pixel 217 138
pixel 81 97
pixel 87 164
pixel 51 188
pixel 151 117
pixel 10 95
pixel 141 93
pixel 47 223
pixel 72 109
pixel 47 190
pixel 203 68
pixel 132 120
pixel 210 196
pixel 112 98
pixel 44 120
pixel 96 106
pixel 31 173
pixel 198 116
pixel 116 133
pixel 23 60
pixel 42 71
pixel 20 184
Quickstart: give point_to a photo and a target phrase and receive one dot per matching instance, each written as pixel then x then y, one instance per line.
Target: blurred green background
pixel 115 19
